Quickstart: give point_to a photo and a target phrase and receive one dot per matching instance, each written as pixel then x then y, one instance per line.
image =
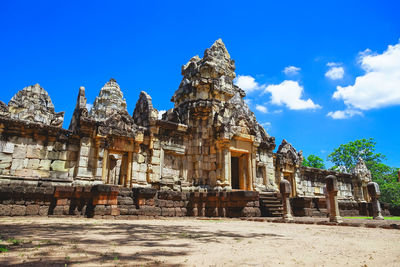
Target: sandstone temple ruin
pixel 208 156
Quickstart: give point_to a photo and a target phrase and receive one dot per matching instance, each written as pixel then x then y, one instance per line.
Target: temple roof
pixel 34 104
pixel 110 101
pixel 208 78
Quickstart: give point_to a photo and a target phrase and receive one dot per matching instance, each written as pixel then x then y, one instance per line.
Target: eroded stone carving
pixel 207 92
pixel 80 111
pixel 4 110
pixel 144 113
pixel 361 171
pixel 362 176
pixel 109 110
pixel 109 102
pixel 208 78
pixel 34 104
pixel 287 155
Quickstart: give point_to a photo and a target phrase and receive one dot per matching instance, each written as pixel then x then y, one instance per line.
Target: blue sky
pixel 142 44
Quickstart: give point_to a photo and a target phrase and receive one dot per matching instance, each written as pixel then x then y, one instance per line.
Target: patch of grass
pixel 3 249
pixel 14 241
pixel 187 235
pixel 394 218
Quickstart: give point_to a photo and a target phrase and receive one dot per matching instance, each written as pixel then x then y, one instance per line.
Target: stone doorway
pixel 235 173
pixel 117 168
pixel 290 177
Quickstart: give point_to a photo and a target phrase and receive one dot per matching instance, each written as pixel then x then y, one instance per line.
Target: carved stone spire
pixel 208 78
pixel 109 102
pixel 4 110
pixel 361 171
pixel 144 113
pixel 80 110
pixel 287 154
pixel 34 104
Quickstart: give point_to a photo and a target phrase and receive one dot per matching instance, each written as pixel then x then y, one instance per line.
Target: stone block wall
pixel 33 152
pixel 105 201
pixel 310 182
pixel 316 207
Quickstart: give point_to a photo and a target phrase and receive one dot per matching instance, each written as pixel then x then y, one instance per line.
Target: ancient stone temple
pixel 208 154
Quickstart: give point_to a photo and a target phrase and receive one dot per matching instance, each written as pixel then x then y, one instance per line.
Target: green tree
pixel 314 162
pixel 345 157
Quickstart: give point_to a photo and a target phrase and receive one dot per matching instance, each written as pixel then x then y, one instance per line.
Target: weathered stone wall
pixel 311 183
pixel 36 154
pixel 102 201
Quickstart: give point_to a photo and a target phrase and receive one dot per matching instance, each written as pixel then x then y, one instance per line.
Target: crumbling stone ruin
pixel 207 156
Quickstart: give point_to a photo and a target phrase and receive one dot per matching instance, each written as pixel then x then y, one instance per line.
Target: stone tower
pixel 110 101
pixel 34 104
pixel 224 134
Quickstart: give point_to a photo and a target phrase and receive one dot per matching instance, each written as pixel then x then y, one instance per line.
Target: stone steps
pixel 271 204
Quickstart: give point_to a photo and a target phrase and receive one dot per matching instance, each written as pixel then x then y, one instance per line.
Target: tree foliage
pixel 314 162
pixel 346 156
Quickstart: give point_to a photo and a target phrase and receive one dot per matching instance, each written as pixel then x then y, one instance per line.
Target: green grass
pixel 394 218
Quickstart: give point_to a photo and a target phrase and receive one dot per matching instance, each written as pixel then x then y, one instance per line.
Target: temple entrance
pixel 235 173
pixel 117 169
pixel 290 178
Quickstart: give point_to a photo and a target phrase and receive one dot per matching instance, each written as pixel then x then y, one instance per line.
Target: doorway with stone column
pixel 240 171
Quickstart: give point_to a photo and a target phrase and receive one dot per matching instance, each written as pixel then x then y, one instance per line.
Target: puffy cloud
pixel 335 71
pixel 379 86
pixel 291 70
pixel 248 101
pixel 289 93
pixel 247 83
pixel 266 124
pixel 343 114
pixel 89 106
pixel 160 113
pixel 261 108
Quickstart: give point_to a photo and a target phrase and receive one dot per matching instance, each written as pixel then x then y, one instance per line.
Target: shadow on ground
pixel 98 241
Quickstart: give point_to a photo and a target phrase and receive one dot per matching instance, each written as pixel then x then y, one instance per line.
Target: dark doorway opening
pixel 235 172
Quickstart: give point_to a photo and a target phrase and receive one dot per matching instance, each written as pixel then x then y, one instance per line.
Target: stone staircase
pixel 271 204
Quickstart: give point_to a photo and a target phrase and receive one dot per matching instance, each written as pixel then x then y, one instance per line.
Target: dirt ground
pixel 35 241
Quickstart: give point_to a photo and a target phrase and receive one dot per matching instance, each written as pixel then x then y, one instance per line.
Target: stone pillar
pixel 226 167
pixel 161 162
pixel 104 166
pixel 129 171
pixel 328 206
pixel 332 188
pixel 374 193
pixel 243 174
pixel 285 189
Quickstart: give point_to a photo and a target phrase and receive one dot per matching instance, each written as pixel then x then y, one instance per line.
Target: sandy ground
pixel 192 242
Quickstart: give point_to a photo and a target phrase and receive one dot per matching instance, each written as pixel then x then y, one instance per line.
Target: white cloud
pixel 343 114
pixel 291 70
pixel 379 86
pixel 160 113
pixel 247 83
pixel 248 101
pixel 89 106
pixel 261 108
pixel 266 124
pixel 335 72
pixel 289 93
